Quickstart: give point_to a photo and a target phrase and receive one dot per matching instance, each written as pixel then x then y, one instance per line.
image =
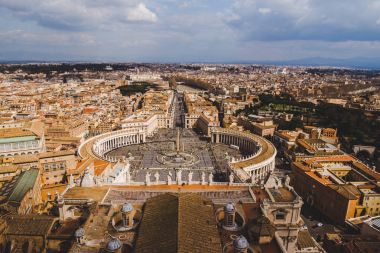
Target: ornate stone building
pixel 340 186
pixel 20 141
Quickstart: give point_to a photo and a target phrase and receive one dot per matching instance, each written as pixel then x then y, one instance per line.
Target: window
pixel 280 216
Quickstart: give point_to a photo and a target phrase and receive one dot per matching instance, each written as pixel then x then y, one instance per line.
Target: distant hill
pixel 359 62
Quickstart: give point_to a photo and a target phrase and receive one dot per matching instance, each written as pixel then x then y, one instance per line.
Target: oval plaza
pixel 175 138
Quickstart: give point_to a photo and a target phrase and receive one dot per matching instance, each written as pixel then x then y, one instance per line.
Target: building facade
pixel 19 141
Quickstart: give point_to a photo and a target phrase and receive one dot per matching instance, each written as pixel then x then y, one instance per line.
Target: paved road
pixel 179 111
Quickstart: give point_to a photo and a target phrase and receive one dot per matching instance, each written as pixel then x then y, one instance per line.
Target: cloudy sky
pixel 188 30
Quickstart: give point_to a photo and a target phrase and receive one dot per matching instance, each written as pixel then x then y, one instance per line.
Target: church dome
pixel 126 208
pixel 229 207
pixel 113 245
pixel 240 243
pixel 79 232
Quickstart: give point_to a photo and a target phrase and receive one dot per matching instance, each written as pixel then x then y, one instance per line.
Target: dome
pixel 229 207
pixel 113 244
pixel 79 232
pixel 240 243
pixel 126 208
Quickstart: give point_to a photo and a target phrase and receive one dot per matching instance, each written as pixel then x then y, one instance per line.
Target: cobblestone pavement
pixel 208 157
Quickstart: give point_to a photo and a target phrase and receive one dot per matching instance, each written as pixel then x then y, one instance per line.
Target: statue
pixel 210 176
pixel 231 178
pixel 87 179
pixel 179 176
pixel 279 183
pixel 157 176
pixel 190 175
pixel 58 197
pixel 72 183
pixel 128 177
pixel 271 182
pixel 203 178
pixel 96 180
pixel 147 178
pixel 170 178
pixel 287 180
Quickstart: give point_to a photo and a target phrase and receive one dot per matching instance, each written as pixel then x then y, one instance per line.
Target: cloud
pixel 326 20
pixel 141 14
pixel 189 30
pixel 52 38
pixel 76 15
pixel 265 10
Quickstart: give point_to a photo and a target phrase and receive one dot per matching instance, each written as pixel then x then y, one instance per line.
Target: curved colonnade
pixel 98 146
pixel 253 167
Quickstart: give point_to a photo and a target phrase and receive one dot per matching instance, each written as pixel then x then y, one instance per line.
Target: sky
pixel 188 30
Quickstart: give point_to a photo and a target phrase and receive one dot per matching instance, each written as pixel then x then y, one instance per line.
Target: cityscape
pixel 165 147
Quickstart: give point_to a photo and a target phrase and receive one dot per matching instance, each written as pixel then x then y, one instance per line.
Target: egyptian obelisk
pixel 178 141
